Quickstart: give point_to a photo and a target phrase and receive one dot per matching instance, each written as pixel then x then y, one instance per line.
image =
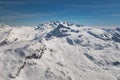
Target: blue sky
pixel 85 12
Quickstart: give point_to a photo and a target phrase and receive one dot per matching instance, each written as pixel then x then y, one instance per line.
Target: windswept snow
pixel 59 51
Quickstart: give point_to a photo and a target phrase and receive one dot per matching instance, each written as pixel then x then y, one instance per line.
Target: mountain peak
pixel 52 24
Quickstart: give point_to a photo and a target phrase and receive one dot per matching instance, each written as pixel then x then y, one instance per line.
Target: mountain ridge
pixel 59 51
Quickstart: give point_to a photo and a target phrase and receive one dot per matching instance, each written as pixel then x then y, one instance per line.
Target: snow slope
pixel 59 51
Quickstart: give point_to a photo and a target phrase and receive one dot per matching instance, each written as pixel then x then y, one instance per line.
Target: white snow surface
pixel 59 51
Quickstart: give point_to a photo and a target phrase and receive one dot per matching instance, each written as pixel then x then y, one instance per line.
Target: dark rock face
pixel 116 63
pixel 36 55
pixel 118 29
pixel 4 42
pixel 102 36
pixel 69 41
pixel 115 34
pixel 116 37
pixel 58 32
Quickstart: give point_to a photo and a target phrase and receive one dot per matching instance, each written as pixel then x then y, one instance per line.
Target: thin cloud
pixel 115 15
pixel 11 2
pixel 20 16
pixel 107 15
pixel 22 2
pixel 17 15
pixel 93 6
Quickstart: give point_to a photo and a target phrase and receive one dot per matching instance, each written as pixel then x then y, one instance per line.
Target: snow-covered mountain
pixel 59 51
